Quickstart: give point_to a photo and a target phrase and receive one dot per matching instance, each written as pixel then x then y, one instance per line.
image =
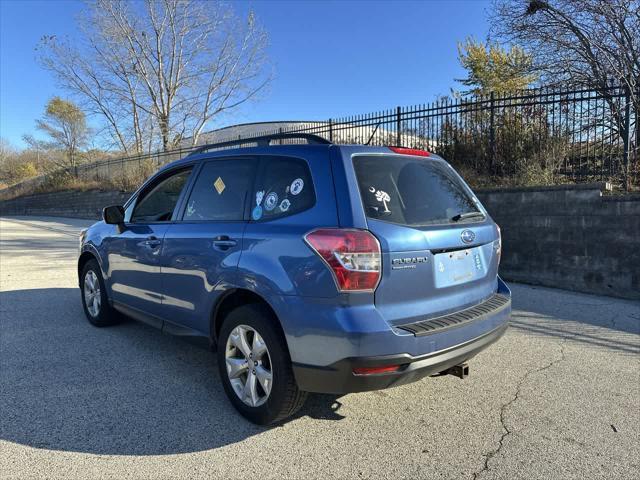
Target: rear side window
pixel 220 191
pixel 283 188
pixel 410 190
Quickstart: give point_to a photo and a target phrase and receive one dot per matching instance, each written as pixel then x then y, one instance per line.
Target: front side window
pixel 219 193
pixel 158 204
pixel 283 188
pixel 411 191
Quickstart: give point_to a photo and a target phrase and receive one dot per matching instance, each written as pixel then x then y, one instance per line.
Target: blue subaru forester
pixel 311 267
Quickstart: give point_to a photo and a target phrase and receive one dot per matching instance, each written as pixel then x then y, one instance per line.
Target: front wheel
pixel 94 296
pixel 255 367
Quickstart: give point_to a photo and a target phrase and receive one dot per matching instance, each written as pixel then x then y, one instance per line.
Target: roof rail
pixel 264 141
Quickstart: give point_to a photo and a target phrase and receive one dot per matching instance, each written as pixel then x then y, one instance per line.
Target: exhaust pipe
pixel 460 371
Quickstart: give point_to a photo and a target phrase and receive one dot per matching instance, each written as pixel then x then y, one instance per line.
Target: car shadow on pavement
pixel 123 390
pixel 595 321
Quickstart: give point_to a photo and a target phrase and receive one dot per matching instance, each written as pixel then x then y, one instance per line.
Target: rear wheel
pixel 94 296
pixel 255 367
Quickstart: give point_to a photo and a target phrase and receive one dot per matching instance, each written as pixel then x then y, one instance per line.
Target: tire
pixel 284 398
pixel 103 315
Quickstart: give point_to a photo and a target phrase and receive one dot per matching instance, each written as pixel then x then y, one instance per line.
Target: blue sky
pixel 331 58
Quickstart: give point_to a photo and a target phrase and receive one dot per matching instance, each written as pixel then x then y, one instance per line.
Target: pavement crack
pixel 506 431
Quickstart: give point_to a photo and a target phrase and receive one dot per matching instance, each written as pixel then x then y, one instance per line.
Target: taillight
pixel 352 255
pixel 497 245
pixel 410 151
pixel 376 370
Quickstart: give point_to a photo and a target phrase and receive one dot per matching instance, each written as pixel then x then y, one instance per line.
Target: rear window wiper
pixel 463 216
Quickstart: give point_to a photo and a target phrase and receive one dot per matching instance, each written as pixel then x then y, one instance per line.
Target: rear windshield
pixel 410 190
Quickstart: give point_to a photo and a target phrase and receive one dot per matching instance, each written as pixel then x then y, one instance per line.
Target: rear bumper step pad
pixel 493 305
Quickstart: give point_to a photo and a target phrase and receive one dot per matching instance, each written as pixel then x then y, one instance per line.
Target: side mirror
pixel 113 215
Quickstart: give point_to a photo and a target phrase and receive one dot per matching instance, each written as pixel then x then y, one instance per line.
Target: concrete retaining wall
pixel 72 203
pixel 569 237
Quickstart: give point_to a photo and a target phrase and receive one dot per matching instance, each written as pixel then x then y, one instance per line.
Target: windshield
pixel 412 191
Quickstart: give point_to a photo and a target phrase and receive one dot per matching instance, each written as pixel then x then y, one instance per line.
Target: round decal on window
pixel 296 186
pixel 256 214
pixel 271 201
pixel 284 205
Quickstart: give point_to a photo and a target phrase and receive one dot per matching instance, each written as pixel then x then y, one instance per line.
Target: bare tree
pixel 591 42
pixel 6 149
pixel 587 42
pixel 159 71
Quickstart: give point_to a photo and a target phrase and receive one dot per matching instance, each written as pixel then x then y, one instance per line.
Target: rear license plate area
pixel 457 267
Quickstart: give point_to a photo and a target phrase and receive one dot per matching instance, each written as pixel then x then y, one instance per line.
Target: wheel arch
pixel 235 298
pixel 85 257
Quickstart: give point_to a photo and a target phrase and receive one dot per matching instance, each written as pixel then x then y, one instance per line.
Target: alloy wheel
pixel 249 365
pixel 92 297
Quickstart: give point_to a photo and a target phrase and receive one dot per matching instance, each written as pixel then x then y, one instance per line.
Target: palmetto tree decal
pixel 383 197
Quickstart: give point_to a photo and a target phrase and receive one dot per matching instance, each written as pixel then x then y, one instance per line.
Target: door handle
pixel 223 242
pixel 152 242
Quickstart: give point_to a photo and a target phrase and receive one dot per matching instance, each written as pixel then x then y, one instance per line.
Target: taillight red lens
pixel 376 370
pixel 497 245
pixel 410 151
pixel 353 256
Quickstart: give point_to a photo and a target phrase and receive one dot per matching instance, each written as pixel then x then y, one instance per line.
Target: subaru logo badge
pixel 467 236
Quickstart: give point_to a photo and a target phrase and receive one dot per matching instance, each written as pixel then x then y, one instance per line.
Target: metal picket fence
pixel 572 134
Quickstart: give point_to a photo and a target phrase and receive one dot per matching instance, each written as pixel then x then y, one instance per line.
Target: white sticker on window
pixel 191 208
pixel 296 186
pixel 284 205
pixel 271 201
pixel 259 197
pixel 383 197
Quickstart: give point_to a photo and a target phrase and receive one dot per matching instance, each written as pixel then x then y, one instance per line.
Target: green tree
pixel 492 68
pixel 66 126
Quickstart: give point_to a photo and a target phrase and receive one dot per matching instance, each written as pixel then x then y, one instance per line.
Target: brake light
pixel 376 370
pixel 410 151
pixel 352 255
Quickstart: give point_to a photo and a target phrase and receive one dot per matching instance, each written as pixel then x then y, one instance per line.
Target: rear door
pixel 202 248
pixel 436 239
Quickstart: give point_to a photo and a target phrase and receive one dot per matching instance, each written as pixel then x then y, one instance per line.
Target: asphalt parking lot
pixel 557 397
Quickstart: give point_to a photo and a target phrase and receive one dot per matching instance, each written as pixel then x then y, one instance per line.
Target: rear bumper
pixel 339 378
pixel 425 351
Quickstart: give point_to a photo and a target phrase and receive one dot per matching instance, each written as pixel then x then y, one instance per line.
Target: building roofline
pixel 263 123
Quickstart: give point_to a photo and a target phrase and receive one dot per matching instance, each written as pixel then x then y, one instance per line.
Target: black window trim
pixel 153 182
pixel 196 173
pixel 263 162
